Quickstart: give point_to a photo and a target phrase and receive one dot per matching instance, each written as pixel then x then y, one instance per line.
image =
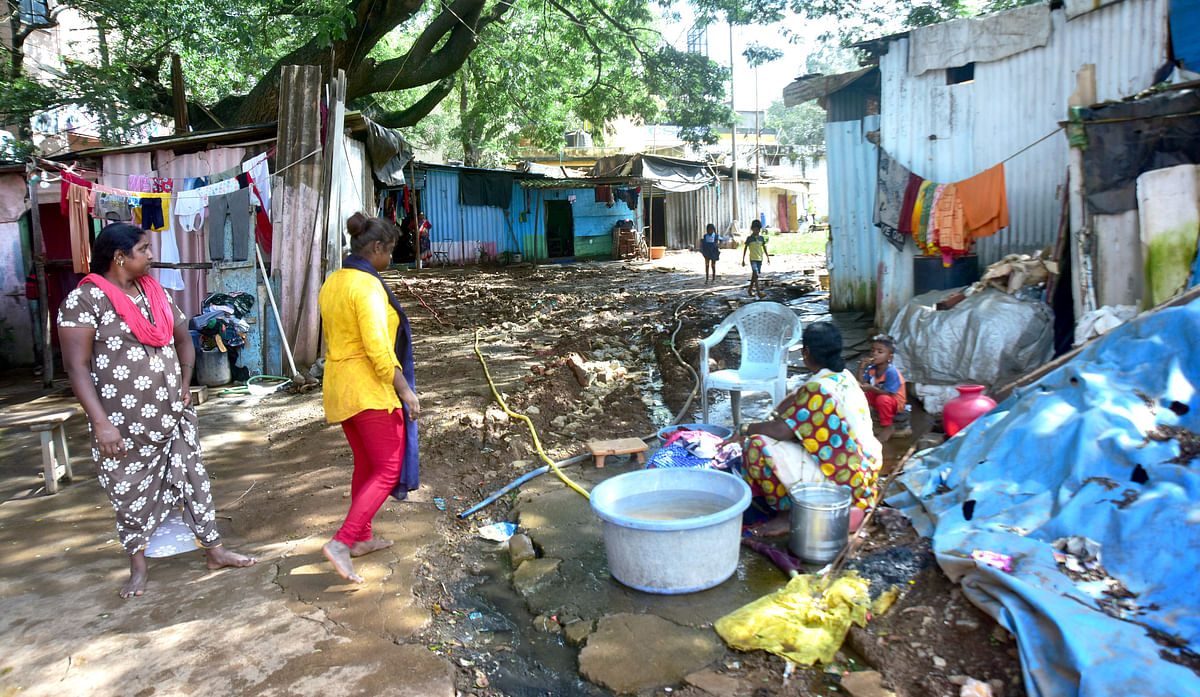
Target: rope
pixel 532 431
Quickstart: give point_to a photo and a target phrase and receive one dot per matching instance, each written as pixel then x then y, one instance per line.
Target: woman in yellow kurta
pixel 369 386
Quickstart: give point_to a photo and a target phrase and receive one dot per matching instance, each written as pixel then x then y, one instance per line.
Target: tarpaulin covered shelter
pixel 682 196
pixel 1087 481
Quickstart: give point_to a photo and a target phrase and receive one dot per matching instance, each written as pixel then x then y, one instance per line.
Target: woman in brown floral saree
pixel 129 355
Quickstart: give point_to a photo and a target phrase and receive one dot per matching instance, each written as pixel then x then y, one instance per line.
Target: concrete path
pixel 286 626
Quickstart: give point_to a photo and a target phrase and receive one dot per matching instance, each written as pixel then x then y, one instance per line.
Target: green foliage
pixel 757 54
pixel 692 88
pixel 548 67
pixel 802 125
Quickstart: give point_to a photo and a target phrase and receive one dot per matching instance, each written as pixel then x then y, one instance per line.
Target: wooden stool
pixel 601 449
pixel 50 425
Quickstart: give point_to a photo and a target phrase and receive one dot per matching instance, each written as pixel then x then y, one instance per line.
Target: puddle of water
pixel 534 664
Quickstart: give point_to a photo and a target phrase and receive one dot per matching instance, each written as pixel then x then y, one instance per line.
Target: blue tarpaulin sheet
pixel 1060 458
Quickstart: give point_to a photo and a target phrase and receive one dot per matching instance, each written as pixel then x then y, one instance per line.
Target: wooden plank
pixel 40 417
pixel 616 446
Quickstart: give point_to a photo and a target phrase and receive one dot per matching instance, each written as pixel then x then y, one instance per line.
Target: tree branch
pixel 624 29
pixel 410 116
pixel 462 21
pixel 595 49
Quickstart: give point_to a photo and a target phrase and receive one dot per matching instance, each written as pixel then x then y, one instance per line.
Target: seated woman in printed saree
pixel 820 432
pixel 129 355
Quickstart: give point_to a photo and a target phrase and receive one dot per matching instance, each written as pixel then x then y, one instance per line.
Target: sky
pixel 772 77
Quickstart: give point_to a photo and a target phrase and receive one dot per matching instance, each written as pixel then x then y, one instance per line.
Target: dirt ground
pixel 442 589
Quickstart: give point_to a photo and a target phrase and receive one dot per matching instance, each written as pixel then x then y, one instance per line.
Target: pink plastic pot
pixel 970 404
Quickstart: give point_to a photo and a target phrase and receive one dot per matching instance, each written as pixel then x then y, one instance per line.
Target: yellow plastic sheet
pixel 797 622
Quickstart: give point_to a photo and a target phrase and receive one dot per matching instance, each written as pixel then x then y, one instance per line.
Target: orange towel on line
pixel 984 202
pixel 951 231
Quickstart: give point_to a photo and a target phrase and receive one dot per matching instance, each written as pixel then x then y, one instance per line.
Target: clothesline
pixel 110 171
pixel 1010 157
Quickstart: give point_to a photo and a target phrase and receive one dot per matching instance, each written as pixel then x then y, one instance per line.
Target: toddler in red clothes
pixel 883 384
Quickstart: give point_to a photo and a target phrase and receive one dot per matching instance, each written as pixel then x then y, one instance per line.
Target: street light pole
pixel 733 132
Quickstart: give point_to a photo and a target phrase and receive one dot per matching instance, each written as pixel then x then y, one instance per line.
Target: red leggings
pixel 885 405
pixel 377 439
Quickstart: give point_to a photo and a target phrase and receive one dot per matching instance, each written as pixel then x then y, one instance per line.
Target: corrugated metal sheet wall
pixel 689 212
pixel 855 249
pixel 950 132
pixel 461 231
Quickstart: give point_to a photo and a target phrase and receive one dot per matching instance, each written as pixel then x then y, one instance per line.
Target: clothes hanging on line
pixel 112 208
pixel 889 198
pixel 942 219
pixel 154 214
pixel 78 198
pixel 985 202
pixel 260 171
pixel 234 207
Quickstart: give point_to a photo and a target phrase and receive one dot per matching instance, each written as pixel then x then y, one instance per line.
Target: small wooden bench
pixel 601 449
pixel 50 424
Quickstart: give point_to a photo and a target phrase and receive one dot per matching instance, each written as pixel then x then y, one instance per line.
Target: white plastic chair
pixel 767 330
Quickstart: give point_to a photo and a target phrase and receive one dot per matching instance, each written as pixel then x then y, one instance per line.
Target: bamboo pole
pixel 39 270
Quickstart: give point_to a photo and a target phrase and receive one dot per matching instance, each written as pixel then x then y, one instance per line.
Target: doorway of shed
pixel 405 216
pixel 560 230
pixel 653 213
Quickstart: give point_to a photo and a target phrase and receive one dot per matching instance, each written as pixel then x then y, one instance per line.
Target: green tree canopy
pixel 525 68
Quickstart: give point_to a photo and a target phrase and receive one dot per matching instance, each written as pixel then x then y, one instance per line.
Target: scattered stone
pixel 520 549
pixel 617 655
pixel 535 573
pixel 577 631
pixel 714 683
pixel 997 686
pixel 546 623
pixel 1000 634
pixel 575 363
pixel 867 683
pixel 533 411
pixel 958 680
pixel 939 662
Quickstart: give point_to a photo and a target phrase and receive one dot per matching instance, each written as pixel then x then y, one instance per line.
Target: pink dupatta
pixel 158 333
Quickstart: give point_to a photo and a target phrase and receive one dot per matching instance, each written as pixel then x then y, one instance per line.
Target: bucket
pixel 671 531
pixel 722 431
pixel 212 368
pixel 820 521
pixel 657 252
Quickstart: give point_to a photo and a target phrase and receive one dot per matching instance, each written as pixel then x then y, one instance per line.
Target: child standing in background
pixel 710 249
pixel 756 247
pixel 883 384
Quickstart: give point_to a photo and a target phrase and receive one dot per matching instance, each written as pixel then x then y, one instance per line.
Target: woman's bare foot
pixel 367 546
pixel 219 557
pixel 779 525
pixel 338 554
pixel 136 585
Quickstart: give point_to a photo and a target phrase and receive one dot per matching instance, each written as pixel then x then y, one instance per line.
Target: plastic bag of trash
pixel 990 338
pixel 1102 321
pixel 498 532
pixel 798 621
